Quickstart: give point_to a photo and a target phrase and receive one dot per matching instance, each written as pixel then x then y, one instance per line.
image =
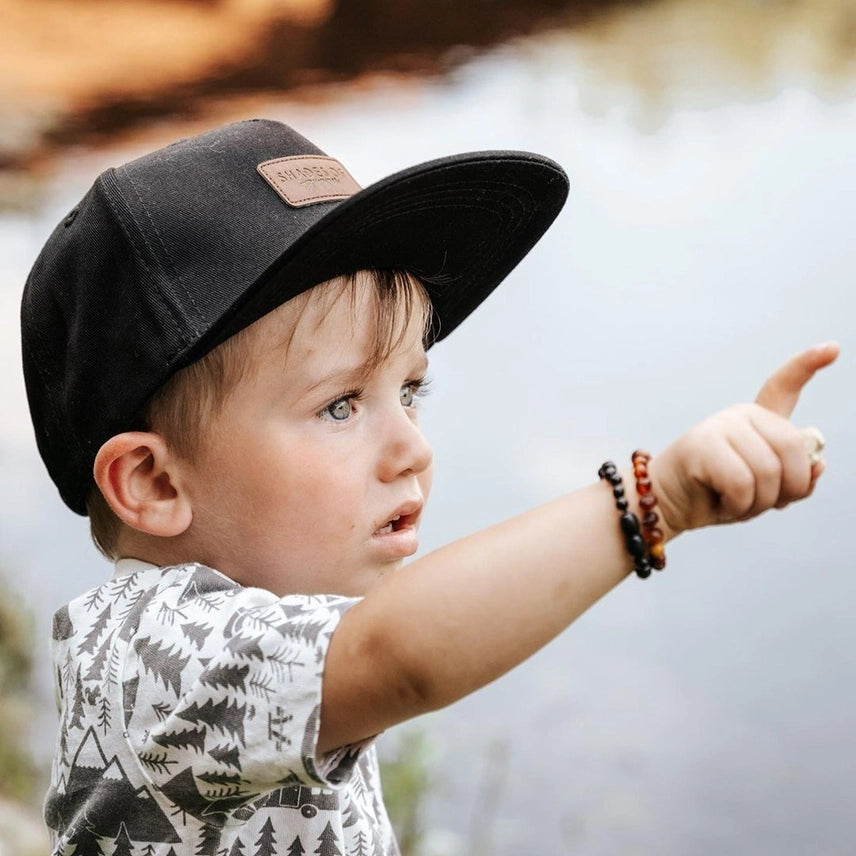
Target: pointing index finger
pixel 782 390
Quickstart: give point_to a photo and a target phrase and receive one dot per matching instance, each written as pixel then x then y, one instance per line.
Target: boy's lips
pixel 398 534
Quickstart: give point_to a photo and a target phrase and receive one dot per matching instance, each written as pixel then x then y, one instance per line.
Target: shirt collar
pixel 129 565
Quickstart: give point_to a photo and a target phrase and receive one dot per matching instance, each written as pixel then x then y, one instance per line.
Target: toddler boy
pixel 224 347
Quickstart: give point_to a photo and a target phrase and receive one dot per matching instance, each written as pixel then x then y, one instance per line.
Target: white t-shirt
pixel 188 724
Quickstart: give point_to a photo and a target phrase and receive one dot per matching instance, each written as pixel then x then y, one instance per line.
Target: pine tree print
pixel 113 670
pixel 96 668
pixel 124 847
pixel 132 613
pixel 327 842
pixel 129 696
pixel 228 755
pixel 196 633
pixel 104 714
pixel 90 641
pixel 63 747
pixel 61 626
pixel 361 845
pixel 165 664
pixel 68 672
pixel 157 763
pixel 248 649
pixel 237 849
pixel 231 781
pixel 266 845
pixel 311 630
pixel 225 676
pixel 224 716
pixel 77 708
pixel 281 663
pixel 93 601
pixel 149 850
pixel 209 841
pixel 358 782
pixel 120 588
pixel 194 737
pixel 296 847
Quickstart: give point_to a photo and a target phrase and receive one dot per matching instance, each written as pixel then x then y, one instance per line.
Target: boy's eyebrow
pixel 355 375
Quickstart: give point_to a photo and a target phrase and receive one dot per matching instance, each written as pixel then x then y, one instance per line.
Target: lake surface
pixel 707 236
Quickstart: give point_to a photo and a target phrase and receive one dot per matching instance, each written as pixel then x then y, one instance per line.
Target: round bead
pixel 614 479
pixel 640 471
pixel 657 551
pixel 648 501
pixel 658 564
pixel 643 486
pixel 651 518
pixel 629 523
pixel 618 491
pixel 655 536
pixel 641 454
pixel 621 504
pixel 643 571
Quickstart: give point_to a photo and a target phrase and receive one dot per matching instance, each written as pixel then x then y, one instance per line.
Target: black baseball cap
pixel 172 253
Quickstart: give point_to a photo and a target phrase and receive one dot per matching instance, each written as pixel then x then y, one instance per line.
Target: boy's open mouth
pixel 393 526
pixel 404 519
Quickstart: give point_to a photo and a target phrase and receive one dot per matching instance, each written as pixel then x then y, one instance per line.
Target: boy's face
pixel 313 477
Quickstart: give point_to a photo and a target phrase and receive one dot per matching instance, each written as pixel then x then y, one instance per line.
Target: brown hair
pixel 197 393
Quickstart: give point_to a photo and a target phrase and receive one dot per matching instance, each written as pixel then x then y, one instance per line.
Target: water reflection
pixel 711 711
pixel 672 54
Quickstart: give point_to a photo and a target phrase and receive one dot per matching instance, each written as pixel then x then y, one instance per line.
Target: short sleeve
pixel 222 691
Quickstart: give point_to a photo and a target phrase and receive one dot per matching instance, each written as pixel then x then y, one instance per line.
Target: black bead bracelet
pixel 628 521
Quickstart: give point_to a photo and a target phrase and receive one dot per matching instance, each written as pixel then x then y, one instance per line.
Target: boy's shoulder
pixel 179 600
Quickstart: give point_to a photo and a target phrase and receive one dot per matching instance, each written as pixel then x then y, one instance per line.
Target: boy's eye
pixel 412 390
pixel 339 410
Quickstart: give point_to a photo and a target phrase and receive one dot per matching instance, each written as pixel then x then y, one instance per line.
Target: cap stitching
pixel 181 321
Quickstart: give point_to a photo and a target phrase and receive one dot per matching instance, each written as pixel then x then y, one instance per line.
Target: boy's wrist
pixel 666 516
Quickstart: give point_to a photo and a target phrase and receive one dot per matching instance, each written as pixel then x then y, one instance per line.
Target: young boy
pixel 224 346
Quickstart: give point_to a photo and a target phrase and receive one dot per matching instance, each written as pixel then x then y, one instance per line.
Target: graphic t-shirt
pixel 189 711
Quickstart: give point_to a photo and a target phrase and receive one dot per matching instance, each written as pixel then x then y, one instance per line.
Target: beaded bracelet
pixel 653 535
pixel 628 521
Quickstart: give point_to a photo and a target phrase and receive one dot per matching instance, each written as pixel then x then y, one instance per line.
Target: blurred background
pixel 710 145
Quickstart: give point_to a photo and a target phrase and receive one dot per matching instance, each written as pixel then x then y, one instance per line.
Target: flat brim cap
pixel 172 253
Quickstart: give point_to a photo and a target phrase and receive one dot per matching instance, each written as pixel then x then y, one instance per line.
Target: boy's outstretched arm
pixel 465 614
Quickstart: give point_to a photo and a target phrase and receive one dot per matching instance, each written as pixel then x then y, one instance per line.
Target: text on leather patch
pixel 308 179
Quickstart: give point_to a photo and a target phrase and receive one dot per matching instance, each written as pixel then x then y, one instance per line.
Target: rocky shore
pixel 75 70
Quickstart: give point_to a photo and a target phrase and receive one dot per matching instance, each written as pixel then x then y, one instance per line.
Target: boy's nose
pixel 406 450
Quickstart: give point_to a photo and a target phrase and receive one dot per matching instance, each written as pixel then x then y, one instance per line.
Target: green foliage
pixel 17 771
pixel 406 782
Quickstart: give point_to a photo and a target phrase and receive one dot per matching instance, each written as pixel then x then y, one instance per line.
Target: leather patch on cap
pixel 308 179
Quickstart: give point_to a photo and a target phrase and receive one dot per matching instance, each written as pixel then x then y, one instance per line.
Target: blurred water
pixel 708 710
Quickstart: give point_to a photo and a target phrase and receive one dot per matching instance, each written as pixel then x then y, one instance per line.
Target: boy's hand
pixel 742 460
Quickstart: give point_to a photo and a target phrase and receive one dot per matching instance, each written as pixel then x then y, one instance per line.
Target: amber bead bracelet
pixel 652 534
pixel 633 540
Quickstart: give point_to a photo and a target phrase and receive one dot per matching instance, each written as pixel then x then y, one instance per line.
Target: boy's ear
pixel 140 479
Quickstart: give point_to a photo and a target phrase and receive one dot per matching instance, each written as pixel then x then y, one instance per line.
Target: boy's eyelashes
pixel 342 407
pixel 413 390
